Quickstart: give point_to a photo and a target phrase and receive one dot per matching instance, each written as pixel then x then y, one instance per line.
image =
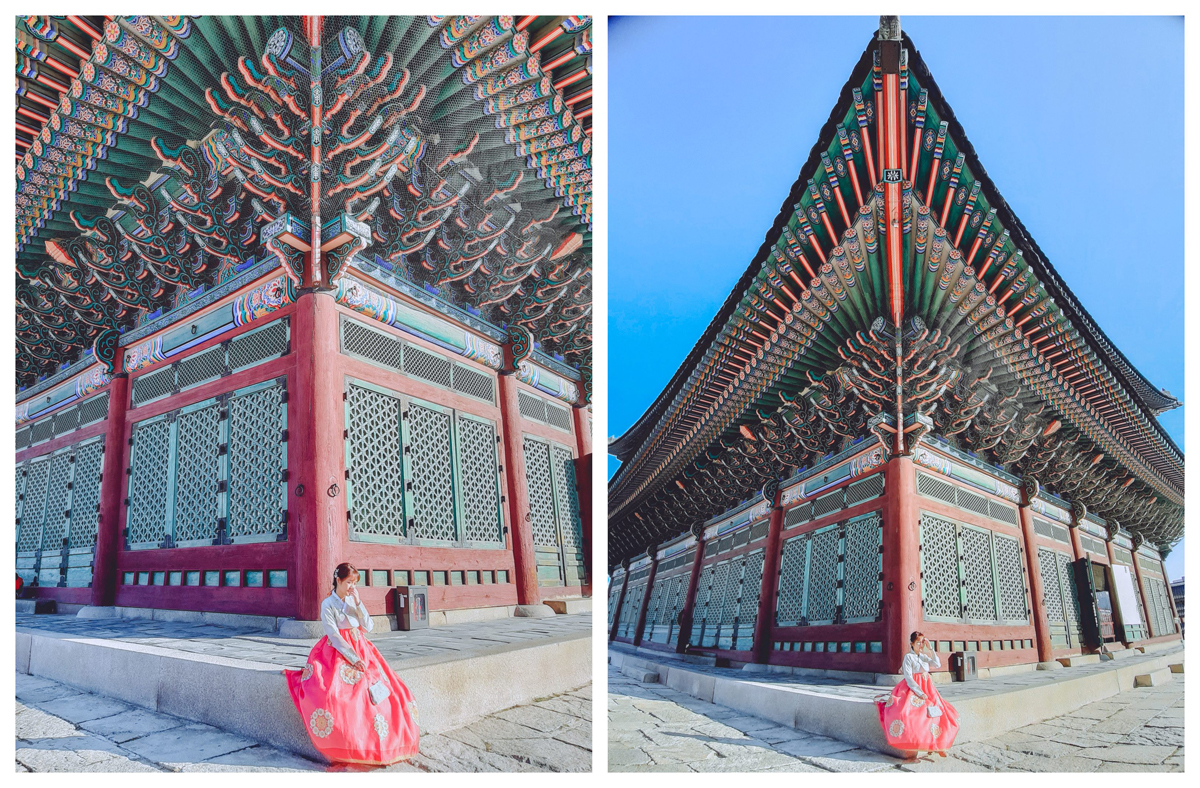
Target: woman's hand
pixel 361 666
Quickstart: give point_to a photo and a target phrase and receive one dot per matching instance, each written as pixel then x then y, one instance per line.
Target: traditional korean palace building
pixel 900 419
pixel 300 290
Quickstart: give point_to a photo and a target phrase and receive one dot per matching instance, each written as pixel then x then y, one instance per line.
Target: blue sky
pixel 1078 121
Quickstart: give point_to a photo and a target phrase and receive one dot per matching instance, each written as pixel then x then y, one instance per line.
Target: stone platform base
pixel 293 628
pixel 37 606
pixel 845 709
pixel 231 677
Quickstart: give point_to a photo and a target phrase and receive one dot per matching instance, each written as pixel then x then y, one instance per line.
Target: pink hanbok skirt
pixel 906 721
pixel 335 704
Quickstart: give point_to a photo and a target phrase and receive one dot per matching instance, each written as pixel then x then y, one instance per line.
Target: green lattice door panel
pixel 257 464
pixel 793 574
pixel 941 582
pixel 375 494
pixel 429 458
pixel 1010 579
pixel 631 608
pixel 566 505
pixel 614 595
pixel 677 600
pixel 85 506
pixel 478 464
pixel 151 495
pixel 200 433
pixel 1052 592
pixel 822 598
pixel 979 575
pixel 1161 616
pixel 715 612
pixel 1066 574
pixel 653 608
pixel 703 597
pixel 543 522
pixel 57 519
pixel 33 510
pixel 747 615
pixel 862 590
pixel 554 512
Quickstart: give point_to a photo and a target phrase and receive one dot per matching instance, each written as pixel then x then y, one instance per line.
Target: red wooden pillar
pixel 1037 597
pixel 520 524
pixel 616 619
pixel 901 560
pixel 316 453
pixel 1077 515
pixel 766 594
pixel 689 601
pixel 112 483
pixel 583 485
pixel 652 554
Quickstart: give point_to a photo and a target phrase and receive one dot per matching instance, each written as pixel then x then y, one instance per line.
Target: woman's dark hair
pixel 913 637
pixel 343 571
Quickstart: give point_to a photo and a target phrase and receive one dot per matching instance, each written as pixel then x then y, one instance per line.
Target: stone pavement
pixel 654 728
pixel 59 729
pixel 400 649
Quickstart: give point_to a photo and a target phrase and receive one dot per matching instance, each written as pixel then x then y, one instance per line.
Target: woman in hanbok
pixel 915 717
pixel 355 708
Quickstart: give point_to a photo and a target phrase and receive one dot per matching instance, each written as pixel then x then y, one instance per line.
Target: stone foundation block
pixel 569 607
pixel 1155 678
pixel 1177 667
pixel 532 611
pixel 1079 659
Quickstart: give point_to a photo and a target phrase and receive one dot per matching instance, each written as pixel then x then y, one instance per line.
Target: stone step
pixel 1079 659
pixel 1155 678
pixel 643 675
pixel 1125 653
pixel 1165 645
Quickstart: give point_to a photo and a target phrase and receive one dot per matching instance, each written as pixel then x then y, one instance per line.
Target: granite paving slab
pixel 655 728
pixel 553 734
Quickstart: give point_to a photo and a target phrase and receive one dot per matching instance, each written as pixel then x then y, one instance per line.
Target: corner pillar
pixel 316 451
pixel 766 593
pixel 583 485
pixel 519 519
pixel 616 619
pixel 901 560
pixel 108 534
pixel 652 554
pixel 689 601
pixel 1037 594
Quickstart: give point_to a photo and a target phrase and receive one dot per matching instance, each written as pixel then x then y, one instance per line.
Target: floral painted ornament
pixel 321 723
pixel 934 729
pixel 306 674
pixel 915 701
pixel 381 727
pixel 896 729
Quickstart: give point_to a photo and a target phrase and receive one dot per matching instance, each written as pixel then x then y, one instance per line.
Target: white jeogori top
pixel 338 614
pixel 918 663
